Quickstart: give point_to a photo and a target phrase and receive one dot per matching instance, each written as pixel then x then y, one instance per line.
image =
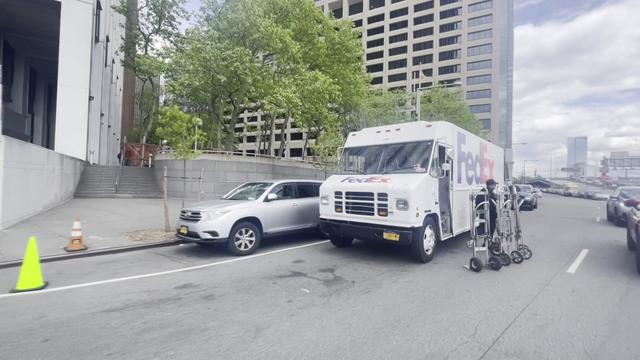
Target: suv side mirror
pixel 272 196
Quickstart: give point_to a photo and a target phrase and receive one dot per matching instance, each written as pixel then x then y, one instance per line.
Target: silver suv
pixel 251 212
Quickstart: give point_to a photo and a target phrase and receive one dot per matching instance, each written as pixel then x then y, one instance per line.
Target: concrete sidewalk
pixel 106 223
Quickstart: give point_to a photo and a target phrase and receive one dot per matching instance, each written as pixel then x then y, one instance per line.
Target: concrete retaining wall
pixel 33 179
pixel 224 172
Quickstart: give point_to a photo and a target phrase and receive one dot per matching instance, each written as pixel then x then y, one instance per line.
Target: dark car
pixel 616 210
pixel 633 228
pixel 526 197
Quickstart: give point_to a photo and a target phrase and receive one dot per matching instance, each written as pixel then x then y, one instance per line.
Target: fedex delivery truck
pixel 407 184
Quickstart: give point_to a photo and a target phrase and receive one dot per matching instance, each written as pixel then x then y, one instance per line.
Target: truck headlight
pixel 324 200
pixel 402 204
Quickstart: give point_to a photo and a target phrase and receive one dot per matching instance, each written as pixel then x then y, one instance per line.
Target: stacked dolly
pixel 496 242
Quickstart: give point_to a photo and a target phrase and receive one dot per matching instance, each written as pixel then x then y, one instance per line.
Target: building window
pixel 375 31
pixel 422 32
pixel 8 70
pixel 450 13
pixel 402 63
pixel 423 6
pixel 106 50
pixel 296 136
pixel 357 23
pixel 398 25
pixel 398 13
pixel 478 35
pixel 374 68
pixel 251 139
pixel 481 79
pixel 424 59
pixel 450 55
pixel 398 38
pixel 451 69
pixel 447 2
pixel 450 40
pixel 423 45
pixel 423 19
pixel 376 80
pixel 479 50
pixel 337 13
pixel 482 108
pixel 480 20
pixel 478 65
pixel 396 1
pixel 374 4
pixel 485 124
pixel 479 94
pixel 97 21
pixel 397 88
pixel 375 43
pixel 455 82
pixel 397 51
pixel 355 8
pixel 487 4
pixel 397 77
pixel 295 152
pixel 375 18
pixel 252 119
pixel 450 26
pixel 425 72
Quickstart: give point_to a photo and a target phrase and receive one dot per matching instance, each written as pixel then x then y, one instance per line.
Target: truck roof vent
pixel 378 132
pixel 387 130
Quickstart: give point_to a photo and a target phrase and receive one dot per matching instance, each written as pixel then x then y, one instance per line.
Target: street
pixel 301 298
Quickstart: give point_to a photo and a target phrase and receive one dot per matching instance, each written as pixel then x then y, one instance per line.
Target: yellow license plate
pixel 388 235
pixel 183 230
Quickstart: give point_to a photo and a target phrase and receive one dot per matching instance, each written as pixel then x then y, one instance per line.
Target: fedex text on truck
pixel 474 166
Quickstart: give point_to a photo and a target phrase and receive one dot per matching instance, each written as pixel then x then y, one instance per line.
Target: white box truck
pixel 408 184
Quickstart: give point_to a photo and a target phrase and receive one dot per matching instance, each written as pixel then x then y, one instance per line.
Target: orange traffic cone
pixel 75 242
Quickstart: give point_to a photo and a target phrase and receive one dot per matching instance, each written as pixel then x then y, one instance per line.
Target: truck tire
pixel 244 238
pixel 631 245
pixel 423 248
pixel 341 242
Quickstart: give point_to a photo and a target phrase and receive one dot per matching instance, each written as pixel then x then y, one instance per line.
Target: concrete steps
pixel 99 182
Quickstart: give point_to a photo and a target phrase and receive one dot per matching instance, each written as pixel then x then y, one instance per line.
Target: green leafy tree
pixel 379 107
pixel 446 104
pixel 179 130
pixel 327 149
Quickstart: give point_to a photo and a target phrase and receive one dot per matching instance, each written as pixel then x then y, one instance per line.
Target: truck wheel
pixel 475 264
pixel 244 239
pixel 631 245
pixel 341 242
pixel 424 247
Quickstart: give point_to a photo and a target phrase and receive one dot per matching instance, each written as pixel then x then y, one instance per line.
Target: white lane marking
pixel 576 263
pixel 161 273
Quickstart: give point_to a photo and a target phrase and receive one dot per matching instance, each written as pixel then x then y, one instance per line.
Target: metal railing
pixel 122 160
pixel 308 160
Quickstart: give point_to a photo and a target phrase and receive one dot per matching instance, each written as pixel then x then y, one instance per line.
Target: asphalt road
pixel 301 298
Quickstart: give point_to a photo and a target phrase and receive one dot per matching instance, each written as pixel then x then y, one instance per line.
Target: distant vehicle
pixel 526 197
pixel 537 192
pixel 570 190
pixel 633 228
pixel 251 212
pixel 600 196
pixel 616 210
pixel 589 194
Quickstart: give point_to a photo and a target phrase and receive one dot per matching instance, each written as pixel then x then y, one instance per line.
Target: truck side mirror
pixel 446 166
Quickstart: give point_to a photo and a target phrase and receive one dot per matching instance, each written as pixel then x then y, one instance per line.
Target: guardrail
pixel 312 161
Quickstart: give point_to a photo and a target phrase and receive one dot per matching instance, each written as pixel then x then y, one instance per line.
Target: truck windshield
pixel 248 191
pixel 411 157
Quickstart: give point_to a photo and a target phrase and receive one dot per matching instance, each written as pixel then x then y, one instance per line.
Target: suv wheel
pixel 244 238
pixel 424 247
pixel 609 217
pixel 619 220
pixel 631 245
pixel 341 242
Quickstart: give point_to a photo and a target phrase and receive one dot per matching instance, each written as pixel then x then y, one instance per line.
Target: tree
pixel 444 104
pixel 379 107
pixel 327 148
pixel 152 28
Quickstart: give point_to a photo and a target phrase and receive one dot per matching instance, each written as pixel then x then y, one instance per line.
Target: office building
pixel 61 99
pixel 576 151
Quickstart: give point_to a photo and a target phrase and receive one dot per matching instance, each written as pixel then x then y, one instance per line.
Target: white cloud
pixel 579 77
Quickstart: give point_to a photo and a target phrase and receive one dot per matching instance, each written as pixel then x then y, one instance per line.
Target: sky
pixel 576 73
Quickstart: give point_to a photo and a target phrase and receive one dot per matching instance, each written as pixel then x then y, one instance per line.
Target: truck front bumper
pixel 371 232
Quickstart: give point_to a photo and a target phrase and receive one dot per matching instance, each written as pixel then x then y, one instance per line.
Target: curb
pixel 97 252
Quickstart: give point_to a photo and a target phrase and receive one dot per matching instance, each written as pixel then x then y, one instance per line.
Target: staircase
pixel 98 181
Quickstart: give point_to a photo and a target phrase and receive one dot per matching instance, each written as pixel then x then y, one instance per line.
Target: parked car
pixel 537 192
pixel 589 194
pixel 616 210
pixel 633 228
pixel 526 198
pixel 251 212
pixel 600 196
pixel 570 190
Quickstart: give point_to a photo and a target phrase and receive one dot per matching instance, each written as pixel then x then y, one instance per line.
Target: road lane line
pixel 161 273
pixel 576 263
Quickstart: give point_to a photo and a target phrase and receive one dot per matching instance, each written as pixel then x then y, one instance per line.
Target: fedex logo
pixel 371 179
pixel 473 164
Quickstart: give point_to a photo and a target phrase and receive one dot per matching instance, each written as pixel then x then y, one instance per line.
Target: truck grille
pixel 362 203
pixel 188 215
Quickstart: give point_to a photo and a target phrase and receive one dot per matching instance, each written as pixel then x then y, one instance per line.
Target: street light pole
pixel 524 168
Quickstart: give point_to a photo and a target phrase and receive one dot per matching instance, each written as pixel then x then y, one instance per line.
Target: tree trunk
pixel 283 141
pixel 150 111
pixel 231 127
pixel 306 142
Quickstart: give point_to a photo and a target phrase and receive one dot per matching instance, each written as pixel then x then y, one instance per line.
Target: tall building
pixel 61 99
pixel 412 44
pixel 576 151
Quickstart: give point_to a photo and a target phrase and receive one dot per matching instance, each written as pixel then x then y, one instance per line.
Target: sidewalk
pixel 106 223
